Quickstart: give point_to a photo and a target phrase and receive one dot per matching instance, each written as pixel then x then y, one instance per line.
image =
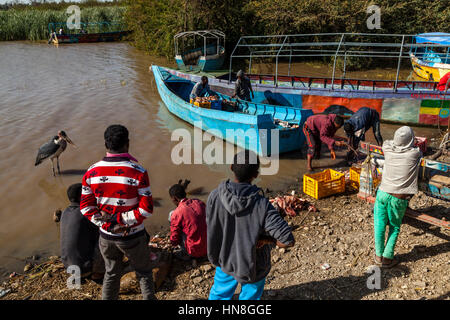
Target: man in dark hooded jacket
pixel 242 226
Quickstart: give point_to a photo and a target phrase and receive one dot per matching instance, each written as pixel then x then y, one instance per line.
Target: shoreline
pixel 339 234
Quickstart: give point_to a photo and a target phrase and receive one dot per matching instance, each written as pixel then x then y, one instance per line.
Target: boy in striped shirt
pixel 116 197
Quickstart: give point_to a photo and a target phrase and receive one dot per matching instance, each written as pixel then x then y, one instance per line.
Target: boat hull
pixel 430 71
pixel 213 60
pixel 90 37
pixel 413 103
pixel 255 132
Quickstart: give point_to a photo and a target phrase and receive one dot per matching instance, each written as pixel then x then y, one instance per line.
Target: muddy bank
pixel 339 235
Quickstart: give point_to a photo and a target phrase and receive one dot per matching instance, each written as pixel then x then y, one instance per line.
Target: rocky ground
pixel 333 250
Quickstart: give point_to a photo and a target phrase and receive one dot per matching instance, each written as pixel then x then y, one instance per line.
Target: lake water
pixel 82 89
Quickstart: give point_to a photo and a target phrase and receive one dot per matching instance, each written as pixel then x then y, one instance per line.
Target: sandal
pixel 378 263
pixel 390 264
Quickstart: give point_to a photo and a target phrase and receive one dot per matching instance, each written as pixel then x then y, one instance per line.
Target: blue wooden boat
pixel 208 57
pixel 253 126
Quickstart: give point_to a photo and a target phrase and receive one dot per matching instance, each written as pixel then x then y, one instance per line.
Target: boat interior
pixel 289 115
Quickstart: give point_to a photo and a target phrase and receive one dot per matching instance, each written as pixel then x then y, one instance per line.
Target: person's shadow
pixel 355 287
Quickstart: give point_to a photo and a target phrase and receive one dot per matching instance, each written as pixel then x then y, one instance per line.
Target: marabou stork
pixel 53 149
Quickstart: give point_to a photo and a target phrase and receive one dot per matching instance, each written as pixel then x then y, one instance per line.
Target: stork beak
pixel 70 141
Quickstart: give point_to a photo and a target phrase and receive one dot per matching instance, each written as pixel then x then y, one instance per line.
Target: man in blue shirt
pixel 356 127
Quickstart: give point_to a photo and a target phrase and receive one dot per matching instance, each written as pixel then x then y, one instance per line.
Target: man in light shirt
pixel 398 185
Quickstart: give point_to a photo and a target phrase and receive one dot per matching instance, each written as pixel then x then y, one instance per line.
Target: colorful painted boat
pixel 398 101
pixel 88 32
pixel 208 57
pixel 431 60
pixel 252 127
pixel 413 102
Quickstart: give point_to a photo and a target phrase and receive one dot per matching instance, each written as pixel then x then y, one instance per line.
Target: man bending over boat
pixel 243 87
pixel 356 127
pixel 322 128
pixel 201 89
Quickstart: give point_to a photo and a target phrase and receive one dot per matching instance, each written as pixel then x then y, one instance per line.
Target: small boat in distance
pixel 207 57
pixel 88 32
pixel 252 126
pixel 431 61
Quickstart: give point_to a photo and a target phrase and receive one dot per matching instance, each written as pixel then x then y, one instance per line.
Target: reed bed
pixel 32 24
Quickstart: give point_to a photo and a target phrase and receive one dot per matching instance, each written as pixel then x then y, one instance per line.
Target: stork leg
pixel 53 167
pixel 57 163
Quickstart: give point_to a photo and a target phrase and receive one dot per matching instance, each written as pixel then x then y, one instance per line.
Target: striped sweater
pixel 117 185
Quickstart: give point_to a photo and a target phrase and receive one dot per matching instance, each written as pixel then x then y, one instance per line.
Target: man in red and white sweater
pixel 116 197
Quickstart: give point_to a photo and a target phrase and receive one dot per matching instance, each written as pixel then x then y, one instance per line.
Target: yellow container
pixel 355 174
pixel 323 184
pixel 206 105
pixel 354 178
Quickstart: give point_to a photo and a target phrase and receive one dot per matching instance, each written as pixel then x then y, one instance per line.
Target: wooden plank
pixel 416 215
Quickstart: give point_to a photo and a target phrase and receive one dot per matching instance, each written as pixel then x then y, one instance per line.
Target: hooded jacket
pixel 237 214
pixel 401 163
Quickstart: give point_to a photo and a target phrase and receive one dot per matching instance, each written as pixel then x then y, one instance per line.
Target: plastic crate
pixel 206 105
pixel 354 178
pixel 355 175
pixel 323 184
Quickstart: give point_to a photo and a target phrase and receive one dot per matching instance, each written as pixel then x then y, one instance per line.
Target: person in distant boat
pixel 355 128
pixel 187 224
pixel 201 89
pixel 243 87
pixel 79 238
pixel 320 128
pixel 83 30
pixel 61 31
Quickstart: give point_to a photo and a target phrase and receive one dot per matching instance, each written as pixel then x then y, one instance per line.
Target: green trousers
pixel 388 211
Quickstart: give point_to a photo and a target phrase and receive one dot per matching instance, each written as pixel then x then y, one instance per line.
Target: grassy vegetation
pixel 155 22
pixel 22 22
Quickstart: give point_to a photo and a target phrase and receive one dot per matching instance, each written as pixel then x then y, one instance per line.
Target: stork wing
pixel 45 151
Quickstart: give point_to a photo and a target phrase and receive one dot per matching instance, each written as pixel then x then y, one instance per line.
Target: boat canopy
pixel 334 45
pixel 440 38
pixel 205 35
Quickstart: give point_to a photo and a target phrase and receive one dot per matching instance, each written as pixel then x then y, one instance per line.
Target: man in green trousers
pixel 398 185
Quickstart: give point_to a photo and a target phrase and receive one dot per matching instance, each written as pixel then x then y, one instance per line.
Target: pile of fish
pixel 291 205
pixel 158 242
pixel 285 124
pixel 206 99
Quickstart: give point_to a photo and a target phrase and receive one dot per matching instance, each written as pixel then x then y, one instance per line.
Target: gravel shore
pixel 333 251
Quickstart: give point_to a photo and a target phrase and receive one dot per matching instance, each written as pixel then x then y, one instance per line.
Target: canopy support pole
pixel 334 63
pixel 276 61
pixel 231 59
pixel 398 64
